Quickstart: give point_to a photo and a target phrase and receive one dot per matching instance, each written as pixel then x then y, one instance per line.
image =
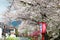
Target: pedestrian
pixel 6 30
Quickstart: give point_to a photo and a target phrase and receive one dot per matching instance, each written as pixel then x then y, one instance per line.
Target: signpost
pixel 42 28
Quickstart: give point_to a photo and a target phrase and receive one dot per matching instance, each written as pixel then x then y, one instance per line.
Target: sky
pixel 3 6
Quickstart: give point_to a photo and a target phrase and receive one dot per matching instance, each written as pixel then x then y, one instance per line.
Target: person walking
pixel 5 32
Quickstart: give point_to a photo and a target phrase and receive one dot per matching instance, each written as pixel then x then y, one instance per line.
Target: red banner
pixel 42 27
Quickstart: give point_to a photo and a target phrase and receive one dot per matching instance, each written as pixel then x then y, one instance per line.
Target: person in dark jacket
pixel 5 30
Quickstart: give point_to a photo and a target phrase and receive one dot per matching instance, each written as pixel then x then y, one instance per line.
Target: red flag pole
pixel 42 37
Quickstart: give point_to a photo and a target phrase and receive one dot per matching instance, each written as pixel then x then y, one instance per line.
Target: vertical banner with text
pixel 42 28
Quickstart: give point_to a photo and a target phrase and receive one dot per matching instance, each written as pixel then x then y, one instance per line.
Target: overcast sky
pixel 3 6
